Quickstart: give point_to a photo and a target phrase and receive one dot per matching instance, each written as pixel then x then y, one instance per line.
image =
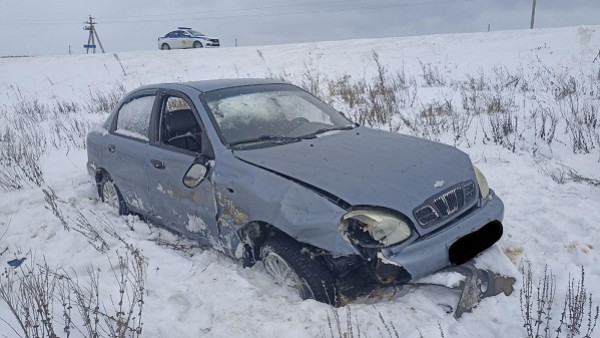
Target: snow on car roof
pixel 208 85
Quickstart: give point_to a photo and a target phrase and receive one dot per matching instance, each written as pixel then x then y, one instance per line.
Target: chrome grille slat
pixel 446 204
pixel 427 215
pixel 450 202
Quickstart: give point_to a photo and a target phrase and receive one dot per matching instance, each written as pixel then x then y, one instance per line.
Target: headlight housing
pixel 482 182
pixel 373 228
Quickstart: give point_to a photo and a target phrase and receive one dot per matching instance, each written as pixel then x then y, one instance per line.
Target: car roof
pixel 209 85
pixel 179 30
pixel 184 29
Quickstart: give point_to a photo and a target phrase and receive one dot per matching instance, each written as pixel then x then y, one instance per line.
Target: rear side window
pixel 133 119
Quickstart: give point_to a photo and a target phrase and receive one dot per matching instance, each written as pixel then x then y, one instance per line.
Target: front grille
pixel 446 204
pixel 450 202
pixel 426 215
pixel 470 192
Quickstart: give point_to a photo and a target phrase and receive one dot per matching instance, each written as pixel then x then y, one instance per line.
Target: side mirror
pixel 195 175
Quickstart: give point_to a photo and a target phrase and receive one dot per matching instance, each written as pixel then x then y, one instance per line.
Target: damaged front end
pixel 364 278
pixel 393 252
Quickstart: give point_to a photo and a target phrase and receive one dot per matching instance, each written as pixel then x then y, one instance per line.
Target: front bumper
pixel 463 238
pixel 212 43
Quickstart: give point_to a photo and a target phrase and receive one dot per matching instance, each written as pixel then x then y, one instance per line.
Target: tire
pixel 110 194
pixel 165 46
pixel 307 274
pixel 197 44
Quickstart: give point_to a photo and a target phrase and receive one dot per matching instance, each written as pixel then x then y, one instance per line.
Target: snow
pixel 448 279
pixel 194 291
pixel 132 134
pixel 196 224
pixel 134 117
pixel 162 189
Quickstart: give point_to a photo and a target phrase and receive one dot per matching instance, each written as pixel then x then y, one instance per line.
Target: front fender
pixel 248 194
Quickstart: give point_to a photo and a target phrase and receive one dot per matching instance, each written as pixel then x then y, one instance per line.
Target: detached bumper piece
pixel 356 279
pixel 479 284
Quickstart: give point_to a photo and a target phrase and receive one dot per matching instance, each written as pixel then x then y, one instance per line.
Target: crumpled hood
pixel 364 166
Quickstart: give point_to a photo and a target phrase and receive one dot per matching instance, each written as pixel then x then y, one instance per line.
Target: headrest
pixel 180 120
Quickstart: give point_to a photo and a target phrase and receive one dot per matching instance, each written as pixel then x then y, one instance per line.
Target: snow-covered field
pixel 549 184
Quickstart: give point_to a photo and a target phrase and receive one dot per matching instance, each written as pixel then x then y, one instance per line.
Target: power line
pixel 234 9
pixel 120 19
pixel 197 12
pixel 333 10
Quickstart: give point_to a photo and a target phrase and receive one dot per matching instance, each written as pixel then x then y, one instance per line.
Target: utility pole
pixel 92 37
pixel 532 15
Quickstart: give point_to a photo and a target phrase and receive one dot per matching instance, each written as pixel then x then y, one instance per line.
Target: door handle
pixel 111 148
pixel 157 164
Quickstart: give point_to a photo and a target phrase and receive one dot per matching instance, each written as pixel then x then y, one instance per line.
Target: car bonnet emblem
pixel 438 184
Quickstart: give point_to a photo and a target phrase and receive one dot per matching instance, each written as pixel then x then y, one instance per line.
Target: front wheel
pixel 110 194
pixel 292 265
pixel 165 46
pixel 197 44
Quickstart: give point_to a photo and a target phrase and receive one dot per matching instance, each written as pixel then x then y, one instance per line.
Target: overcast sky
pixel 34 27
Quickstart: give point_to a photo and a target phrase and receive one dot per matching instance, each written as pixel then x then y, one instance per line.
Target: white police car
pixel 185 37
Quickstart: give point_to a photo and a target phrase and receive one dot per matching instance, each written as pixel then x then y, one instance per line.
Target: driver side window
pixel 179 127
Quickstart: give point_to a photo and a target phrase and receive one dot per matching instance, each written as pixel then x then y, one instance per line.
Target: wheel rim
pixel 109 194
pixel 283 274
pixel 197 44
pixel 165 47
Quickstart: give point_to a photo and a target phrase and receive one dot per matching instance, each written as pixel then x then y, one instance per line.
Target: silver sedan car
pixel 263 171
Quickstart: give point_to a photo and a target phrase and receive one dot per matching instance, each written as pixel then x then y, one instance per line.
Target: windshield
pixel 194 33
pixel 270 112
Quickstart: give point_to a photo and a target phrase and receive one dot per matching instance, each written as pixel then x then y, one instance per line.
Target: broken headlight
pixel 482 182
pixel 373 228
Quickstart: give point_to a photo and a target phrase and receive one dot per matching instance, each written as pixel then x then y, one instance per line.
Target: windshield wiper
pixel 287 139
pixel 324 130
pixel 266 138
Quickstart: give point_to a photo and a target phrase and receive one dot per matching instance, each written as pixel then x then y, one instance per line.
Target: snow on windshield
pixel 265 106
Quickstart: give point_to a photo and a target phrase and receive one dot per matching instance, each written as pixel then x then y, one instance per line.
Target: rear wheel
pixel 165 46
pixel 197 44
pixel 292 265
pixel 110 194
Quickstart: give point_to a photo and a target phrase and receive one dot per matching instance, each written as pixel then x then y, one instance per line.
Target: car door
pixel 186 40
pixel 174 39
pixel 177 43
pixel 178 144
pixel 126 145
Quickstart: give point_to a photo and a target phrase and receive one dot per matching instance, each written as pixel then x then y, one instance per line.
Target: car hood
pixel 364 166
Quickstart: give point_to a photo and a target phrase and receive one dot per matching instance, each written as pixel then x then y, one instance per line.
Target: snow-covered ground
pixel 195 292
